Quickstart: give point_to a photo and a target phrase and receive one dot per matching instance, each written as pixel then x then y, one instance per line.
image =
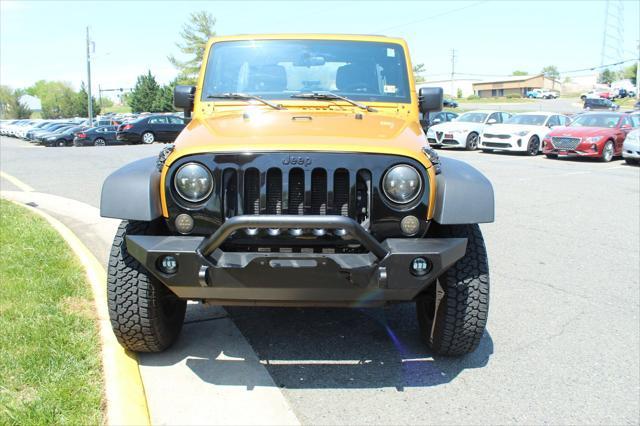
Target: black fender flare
pixel 463 194
pixel 133 192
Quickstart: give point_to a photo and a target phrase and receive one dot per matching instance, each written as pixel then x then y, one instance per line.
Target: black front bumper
pixel 323 279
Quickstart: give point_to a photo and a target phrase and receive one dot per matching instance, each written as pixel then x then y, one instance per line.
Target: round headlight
pixel 402 184
pixel 193 182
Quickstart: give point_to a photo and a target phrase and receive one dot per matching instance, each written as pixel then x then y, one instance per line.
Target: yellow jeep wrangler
pixel 303 179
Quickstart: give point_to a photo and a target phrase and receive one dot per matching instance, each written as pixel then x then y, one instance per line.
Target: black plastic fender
pixel 463 195
pixel 133 192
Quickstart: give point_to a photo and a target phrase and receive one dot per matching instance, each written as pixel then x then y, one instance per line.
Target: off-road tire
pixel 145 315
pixel 462 314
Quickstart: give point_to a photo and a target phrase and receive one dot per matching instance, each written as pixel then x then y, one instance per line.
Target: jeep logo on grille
pixel 297 161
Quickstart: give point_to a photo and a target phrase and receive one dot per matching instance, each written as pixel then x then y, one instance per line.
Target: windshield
pixel 528 120
pixel 473 117
pixel 278 69
pixel 596 120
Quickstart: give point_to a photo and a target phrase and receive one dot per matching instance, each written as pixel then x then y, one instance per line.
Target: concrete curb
pixel 124 391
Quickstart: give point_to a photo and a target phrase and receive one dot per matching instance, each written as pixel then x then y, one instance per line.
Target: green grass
pixel 50 370
pixel 626 103
pixel 118 109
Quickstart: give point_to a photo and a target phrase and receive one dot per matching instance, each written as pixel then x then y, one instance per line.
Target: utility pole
pixel 89 103
pixel 453 68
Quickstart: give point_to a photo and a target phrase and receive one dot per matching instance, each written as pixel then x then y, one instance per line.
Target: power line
pixel 432 17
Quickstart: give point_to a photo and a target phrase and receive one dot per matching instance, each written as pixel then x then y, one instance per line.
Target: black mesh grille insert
pixel 252 191
pixel 296 191
pixel 341 192
pixel 319 191
pixel 274 191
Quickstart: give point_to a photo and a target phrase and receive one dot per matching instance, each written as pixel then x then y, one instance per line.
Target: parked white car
pixel 631 147
pixel 464 131
pixel 522 132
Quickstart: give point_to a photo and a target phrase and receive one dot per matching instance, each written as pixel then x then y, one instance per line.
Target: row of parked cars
pixel 111 130
pixel 602 135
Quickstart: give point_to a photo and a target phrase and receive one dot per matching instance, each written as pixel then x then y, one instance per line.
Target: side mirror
pixel 492 121
pixel 430 99
pixel 183 99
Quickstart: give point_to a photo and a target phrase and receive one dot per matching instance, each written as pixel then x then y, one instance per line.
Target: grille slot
pixel 319 191
pixel 341 192
pixel 252 191
pixel 274 191
pixel 565 142
pixel 296 192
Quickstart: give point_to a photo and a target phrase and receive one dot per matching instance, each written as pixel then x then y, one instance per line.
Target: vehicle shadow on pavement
pixel 322 348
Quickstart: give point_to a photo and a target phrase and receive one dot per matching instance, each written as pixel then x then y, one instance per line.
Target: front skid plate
pixel 291 278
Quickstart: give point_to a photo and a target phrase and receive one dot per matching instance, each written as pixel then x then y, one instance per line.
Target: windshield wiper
pixel 244 97
pixel 330 96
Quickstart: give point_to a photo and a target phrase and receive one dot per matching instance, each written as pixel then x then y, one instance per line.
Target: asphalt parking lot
pixel 563 337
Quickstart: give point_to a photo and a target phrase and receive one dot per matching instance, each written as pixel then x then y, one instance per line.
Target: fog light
pixel 519 142
pixel 410 225
pixel 168 264
pixel 184 223
pixel 420 266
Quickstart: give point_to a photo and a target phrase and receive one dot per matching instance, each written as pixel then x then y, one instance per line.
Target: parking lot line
pixel 16 182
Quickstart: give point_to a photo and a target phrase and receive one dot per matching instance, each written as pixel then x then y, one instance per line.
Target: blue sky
pixel 45 39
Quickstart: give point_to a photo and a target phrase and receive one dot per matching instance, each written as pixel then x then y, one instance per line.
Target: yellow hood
pixel 258 129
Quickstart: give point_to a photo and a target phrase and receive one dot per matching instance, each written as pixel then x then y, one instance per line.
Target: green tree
pixel 630 73
pixel 195 34
pixel 606 76
pixel 551 71
pixel 80 105
pixel 164 98
pixel 16 108
pixel 519 72
pixel 145 94
pixel 5 97
pixel 57 98
pixel 418 69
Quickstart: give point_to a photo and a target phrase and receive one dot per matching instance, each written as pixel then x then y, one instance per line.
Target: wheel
pixel 583 97
pixel 487 151
pixel 148 138
pixel 533 147
pixel 100 142
pixel 607 152
pixel 452 315
pixel 553 156
pixel 61 142
pixel 472 142
pixel 145 315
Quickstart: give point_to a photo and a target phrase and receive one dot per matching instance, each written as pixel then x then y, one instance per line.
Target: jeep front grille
pixel 297 192
pixel 301 183
pixel 565 142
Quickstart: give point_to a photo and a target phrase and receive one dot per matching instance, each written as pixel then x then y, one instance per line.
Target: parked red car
pixel 595 134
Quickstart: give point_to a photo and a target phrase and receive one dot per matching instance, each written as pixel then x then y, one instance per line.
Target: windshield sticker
pixel 390 88
pixel 391 53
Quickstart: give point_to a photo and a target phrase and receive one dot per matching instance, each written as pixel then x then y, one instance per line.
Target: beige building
pixel 451 87
pixel 516 85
